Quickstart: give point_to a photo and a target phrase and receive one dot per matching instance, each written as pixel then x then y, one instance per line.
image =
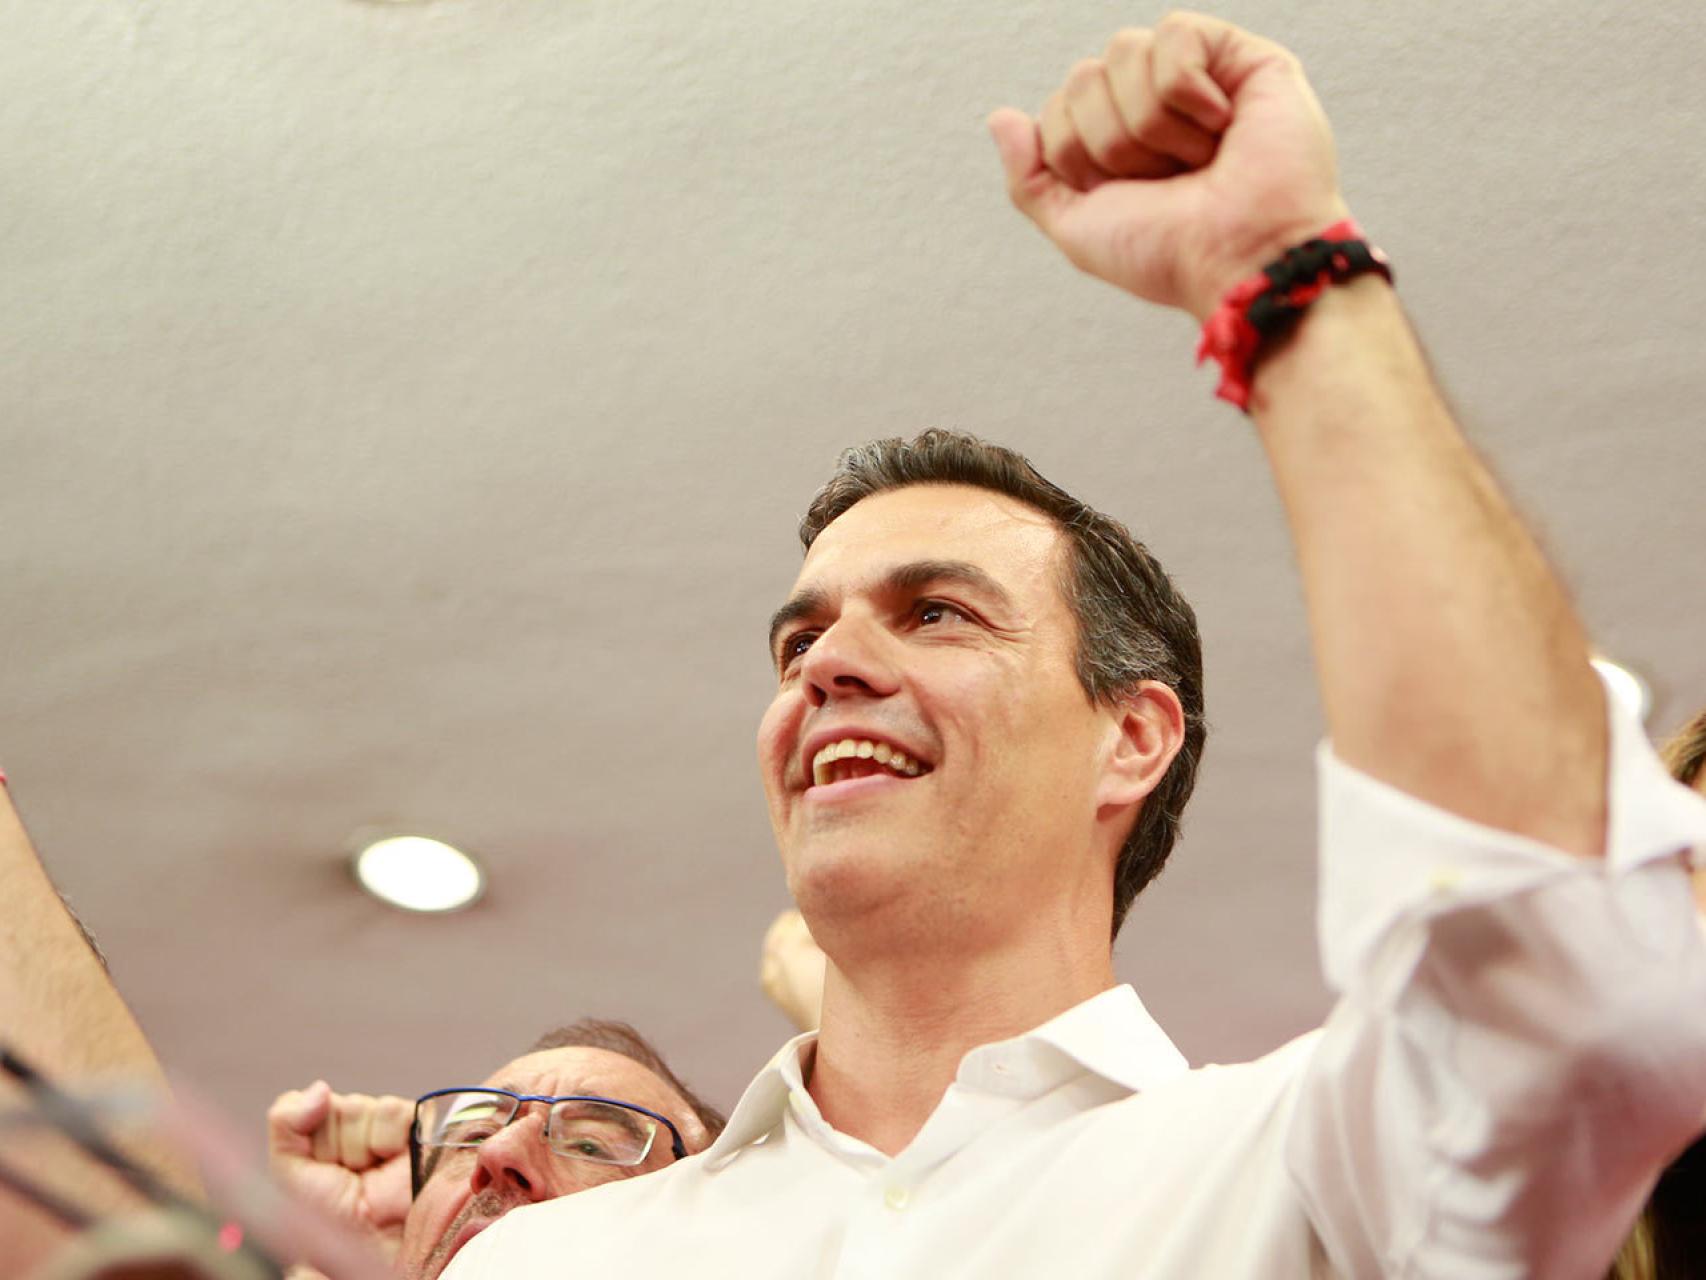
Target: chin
pixel 835 878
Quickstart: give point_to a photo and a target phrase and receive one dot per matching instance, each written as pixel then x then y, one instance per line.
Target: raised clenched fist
pixel 347 1154
pixel 1181 160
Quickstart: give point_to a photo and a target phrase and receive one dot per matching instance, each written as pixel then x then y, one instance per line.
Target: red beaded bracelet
pixel 1265 305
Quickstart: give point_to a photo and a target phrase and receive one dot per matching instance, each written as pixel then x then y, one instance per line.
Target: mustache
pixel 490 1204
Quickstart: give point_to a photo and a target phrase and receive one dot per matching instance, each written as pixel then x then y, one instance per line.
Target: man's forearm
pixel 1451 662
pixel 57 1002
pixel 60 1010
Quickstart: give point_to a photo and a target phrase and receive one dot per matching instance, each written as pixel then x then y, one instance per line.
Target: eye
pixel 932 613
pixel 795 646
pixel 468 1132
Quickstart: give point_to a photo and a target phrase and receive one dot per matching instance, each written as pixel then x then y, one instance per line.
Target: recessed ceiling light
pixel 1627 687
pixel 419 874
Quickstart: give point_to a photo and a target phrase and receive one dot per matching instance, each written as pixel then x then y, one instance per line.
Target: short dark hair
pixel 619 1037
pixel 1133 624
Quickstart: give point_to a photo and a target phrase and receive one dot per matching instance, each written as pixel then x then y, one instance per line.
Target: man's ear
pixel 1147 728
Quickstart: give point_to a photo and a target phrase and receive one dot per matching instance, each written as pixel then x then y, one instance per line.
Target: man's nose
pixel 852 658
pixel 513 1160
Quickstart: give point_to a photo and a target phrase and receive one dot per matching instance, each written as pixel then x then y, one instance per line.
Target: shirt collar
pixel 1110 1035
pixel 761 1107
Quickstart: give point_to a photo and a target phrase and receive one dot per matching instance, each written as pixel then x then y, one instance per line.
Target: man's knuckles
pixel 356 1131
pixel 1113 124
pixel 1128 48
pixel 296 1108
pixel 351 1108
pixel 1161 133
pixel 1085 74
pixel 287 1113
pixel 1063 149
pixel 1204 30
pixel 354 1113
pixel 1096 119
pixel 393 1117
pixel 1110 148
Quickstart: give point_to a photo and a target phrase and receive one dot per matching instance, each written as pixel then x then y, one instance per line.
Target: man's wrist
pixel 1263 307
pixel 1350 324
pixel 1238 258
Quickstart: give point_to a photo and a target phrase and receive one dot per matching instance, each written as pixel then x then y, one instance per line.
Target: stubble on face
pixel 490 1204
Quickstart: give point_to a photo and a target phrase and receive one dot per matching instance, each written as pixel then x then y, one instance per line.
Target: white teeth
pixel 823 763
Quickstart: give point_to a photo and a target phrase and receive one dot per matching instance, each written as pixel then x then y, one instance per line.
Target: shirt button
pixel 1445 879
pixel 896 1198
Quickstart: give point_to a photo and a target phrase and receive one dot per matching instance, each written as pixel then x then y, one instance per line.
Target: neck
pixel 897 1023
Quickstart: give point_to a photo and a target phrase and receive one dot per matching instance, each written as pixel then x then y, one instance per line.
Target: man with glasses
pixel 589 1104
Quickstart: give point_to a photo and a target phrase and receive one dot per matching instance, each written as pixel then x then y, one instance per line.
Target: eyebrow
pixel 629 1120
pixel 900 580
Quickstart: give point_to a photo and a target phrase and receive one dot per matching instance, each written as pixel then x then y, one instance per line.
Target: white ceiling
pixel 408 407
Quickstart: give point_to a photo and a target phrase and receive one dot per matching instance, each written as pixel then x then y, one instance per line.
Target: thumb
pixel 294 1116
pixel 1035 191
pixel 388 1193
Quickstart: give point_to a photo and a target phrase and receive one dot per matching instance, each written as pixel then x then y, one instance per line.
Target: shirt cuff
pixel 1387 857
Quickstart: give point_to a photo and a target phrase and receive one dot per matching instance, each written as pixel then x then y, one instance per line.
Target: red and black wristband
pixel 1258 309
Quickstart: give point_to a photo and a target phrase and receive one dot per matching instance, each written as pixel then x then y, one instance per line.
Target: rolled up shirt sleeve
pixel 1519 1044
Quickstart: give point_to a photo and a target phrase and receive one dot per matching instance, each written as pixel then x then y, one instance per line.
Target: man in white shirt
pixel 985 723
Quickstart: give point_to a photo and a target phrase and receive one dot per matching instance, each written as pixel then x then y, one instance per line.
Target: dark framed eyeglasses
pixel 577 1127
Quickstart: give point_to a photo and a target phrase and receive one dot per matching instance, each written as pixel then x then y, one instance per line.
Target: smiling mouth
pixel 862 758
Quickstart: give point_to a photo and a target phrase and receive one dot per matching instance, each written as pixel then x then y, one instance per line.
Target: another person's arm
pixel 60 1010
pixel 791 969
pixel 1670 1238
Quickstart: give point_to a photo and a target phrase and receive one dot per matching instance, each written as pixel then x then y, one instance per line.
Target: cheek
pixel 567 1177
pixel 1034 733
pixel 777 732
pixel 979 710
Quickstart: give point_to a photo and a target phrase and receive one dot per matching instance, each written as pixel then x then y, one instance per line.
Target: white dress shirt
pixel 1519 1046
